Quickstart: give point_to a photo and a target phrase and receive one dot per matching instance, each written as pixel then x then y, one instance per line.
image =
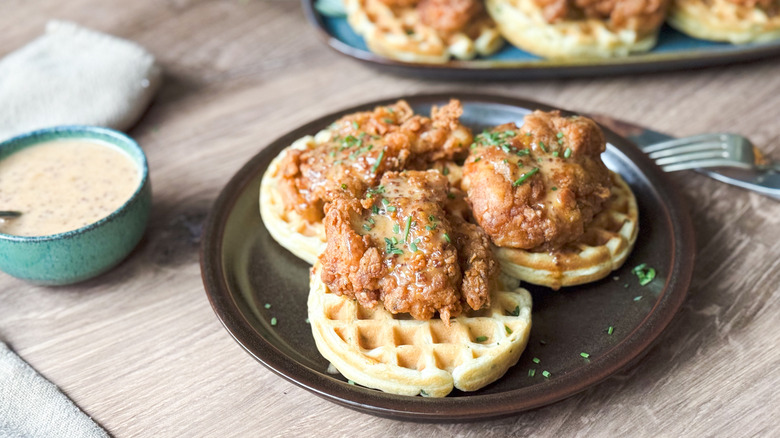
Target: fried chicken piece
pixel 448 16
pixel 642 13
pixel 399 246
pixel 365 145
pixel 538 186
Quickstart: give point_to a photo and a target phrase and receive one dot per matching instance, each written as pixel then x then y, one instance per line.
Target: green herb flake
pixel 378 161
pixel 476 159
pixel 388 121
pixel 355 125
pixel 525 176
pixel 307 321
pixel 367 227
pixel 505 161
pixel 555 154
pixel 407 227
pixel 451 195
pixel 445 170
pixel 423 393
pixel 585 355
pixel 396 228
pixel 273 321
pixel 351 382
pixel 546 374
pixel 508 330
pixel 447 238
pixel 344 186
pixel 516 311
pixel 536 360
pixel 554 188
pixel 413 246
pixel 523 152
pixel 385 201
pixel 531 372
pixel 267 305
pixel 645 273
pixel 638 298
pixel 559 135
pixel 481 338
pixel 567 153
pixel 375 209
pixel 391 208
pixel 610 330
pixel 541 145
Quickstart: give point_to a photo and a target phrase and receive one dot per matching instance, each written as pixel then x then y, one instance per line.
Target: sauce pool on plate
pixel 63 185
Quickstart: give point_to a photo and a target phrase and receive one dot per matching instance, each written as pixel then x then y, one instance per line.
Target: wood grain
pixel 141 351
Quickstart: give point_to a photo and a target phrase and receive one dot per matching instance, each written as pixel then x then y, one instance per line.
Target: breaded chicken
pixel 538 186
pixel 401 247
pixel 365 145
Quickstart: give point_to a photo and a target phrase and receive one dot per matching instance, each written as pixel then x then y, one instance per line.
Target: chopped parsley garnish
pixel 373 191
pixel 267 305
pixel 375 209
pixel 541 145
pixel 413 246
pixel 447 238
pixel 525 176
pixel 516 312
pixel 390 247
pixel 396 228
pixel 388 121
pixel 508 330
pixel 367 227
pixel 273 321
pixel 536 360
pixel 559 135
pixel 585 355
pixel 523 152
pixel 344 186
pixel 351 382
pixel 546 374
pixel 567 153
pixel 407 227
pixel 555 154
pixel 481 338
pixel 531 372
pixel 554 188
pixel 645 273
pixel 638 298
pixel 355 125
pixel 385 201
pixel 505 161
pixel 378 160
pixel 476 159
pixel 423 393
pixel 451 195
pixel 610 330
pixel 390 208
pixel 445 170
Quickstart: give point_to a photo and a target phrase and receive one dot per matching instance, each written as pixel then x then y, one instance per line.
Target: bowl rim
pixel 114 136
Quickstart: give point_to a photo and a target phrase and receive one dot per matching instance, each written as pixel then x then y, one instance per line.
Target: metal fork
pixel 707 150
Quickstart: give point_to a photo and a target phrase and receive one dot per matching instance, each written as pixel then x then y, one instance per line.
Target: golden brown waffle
pixel 722 20
pixel 398 33
pixel 304 239
pixel 604 247
pixel 377 349
pixel 521 22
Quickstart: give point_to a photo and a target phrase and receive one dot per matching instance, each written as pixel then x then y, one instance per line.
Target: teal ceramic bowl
pixel 83 253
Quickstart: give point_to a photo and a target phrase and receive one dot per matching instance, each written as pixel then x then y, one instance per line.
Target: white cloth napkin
pixel 75 76
pixel 31 406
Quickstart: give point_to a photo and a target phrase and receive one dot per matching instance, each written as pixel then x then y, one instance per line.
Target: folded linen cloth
pixel 75 76
pixel 31 406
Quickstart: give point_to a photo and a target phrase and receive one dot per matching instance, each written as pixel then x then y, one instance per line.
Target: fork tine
pixel 693 156
pixel 699 164
pixel 700 147
pixel 702 138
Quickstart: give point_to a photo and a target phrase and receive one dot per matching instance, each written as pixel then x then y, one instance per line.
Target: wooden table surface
pixel 140 350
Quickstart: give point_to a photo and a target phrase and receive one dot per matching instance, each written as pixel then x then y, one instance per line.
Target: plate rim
pixel 498 69
pixel 469 407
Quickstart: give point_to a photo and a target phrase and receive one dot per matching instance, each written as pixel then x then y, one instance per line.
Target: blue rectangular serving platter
pixel 674 51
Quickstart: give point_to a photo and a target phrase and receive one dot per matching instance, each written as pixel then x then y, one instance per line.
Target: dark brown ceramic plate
pixel 244 269
pixel 674 50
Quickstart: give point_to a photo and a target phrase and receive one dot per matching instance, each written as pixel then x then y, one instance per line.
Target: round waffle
pixel 607 241
pixel 722 20
pixel 521 22
pixel 399 355
pixel 398 33
pixel 304 239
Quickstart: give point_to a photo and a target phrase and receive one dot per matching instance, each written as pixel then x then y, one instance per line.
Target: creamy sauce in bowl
pixel 64 185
